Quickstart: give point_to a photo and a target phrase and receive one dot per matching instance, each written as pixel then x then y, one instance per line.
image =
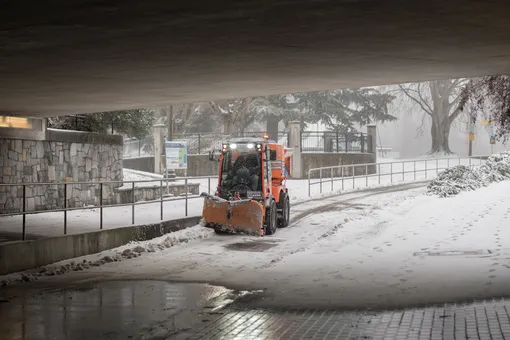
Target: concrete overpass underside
pixel 63 57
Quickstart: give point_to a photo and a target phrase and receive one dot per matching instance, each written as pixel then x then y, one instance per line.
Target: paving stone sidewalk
pixel 481 320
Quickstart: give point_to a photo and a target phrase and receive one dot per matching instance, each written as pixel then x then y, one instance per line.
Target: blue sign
pixel 176 155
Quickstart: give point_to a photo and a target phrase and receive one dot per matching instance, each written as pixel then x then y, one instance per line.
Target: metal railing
pixel 162 184
pixel 355 176
pixel 334 141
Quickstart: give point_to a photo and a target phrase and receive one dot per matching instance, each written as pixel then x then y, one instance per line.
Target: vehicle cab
pixel 244 169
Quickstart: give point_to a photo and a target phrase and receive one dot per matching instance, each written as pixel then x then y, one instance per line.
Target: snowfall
pixel 382 247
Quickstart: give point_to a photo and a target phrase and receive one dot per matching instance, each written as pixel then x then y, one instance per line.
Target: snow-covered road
pixel 387 247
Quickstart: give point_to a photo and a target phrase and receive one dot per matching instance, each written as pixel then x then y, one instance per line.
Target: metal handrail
pixel 101 206
pixel 331 179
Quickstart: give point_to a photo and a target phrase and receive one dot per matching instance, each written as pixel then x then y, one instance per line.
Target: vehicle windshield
pixel 241 169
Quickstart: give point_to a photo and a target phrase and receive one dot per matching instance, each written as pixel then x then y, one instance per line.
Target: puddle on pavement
pixel 253 246
pixel 110 310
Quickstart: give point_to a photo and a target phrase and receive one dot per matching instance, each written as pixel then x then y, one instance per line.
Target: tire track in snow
pixel 347 204
pixel 369 193
pixel 332 203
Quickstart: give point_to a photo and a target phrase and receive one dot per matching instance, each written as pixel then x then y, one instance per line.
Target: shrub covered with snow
pixel 496 168
pixel 461 178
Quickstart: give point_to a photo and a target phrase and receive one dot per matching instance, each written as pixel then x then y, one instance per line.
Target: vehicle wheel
pixel 271 219
pixel 284 218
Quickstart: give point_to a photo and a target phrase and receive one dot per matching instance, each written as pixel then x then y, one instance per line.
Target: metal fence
pixel 138 147
pixel 64 208
pixel 202 143
pixel 354 176
pixel 197 143
pixel 334 141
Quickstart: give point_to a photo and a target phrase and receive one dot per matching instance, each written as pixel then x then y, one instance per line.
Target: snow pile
pixel 496 168
pixel 461 178
pixel 455 180
pixel 167 241
pixel 129 251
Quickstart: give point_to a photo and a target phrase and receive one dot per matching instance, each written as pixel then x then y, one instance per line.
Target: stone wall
pixel 52 161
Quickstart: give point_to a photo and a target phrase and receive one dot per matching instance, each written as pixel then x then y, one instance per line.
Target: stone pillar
pixel 159 148
pixel 372 139
pixel 295 143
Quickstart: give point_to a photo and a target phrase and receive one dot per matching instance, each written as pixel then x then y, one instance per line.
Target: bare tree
pixel 234 113
pixel 443 102
pixel 178 117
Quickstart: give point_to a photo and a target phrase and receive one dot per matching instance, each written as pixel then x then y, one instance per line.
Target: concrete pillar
pixel 296 167
pixel 159 148
pixel 372 139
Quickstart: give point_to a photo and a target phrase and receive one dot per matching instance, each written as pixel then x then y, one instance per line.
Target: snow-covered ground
pixel 79 221
pixel 385 247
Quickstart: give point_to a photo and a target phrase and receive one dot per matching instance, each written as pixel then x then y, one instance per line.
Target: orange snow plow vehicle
pixel 251 197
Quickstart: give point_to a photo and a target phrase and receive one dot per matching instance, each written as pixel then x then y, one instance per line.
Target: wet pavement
pixel 109 310
pixel 155 310
pixel 482 320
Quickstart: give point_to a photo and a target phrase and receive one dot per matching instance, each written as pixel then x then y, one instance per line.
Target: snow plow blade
pixel 242 216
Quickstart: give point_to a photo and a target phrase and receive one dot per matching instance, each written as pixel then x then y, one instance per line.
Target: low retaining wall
pixel 19 256
pixel 198 165
pixel 319 160
pixel 145 163
pixel 125 195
